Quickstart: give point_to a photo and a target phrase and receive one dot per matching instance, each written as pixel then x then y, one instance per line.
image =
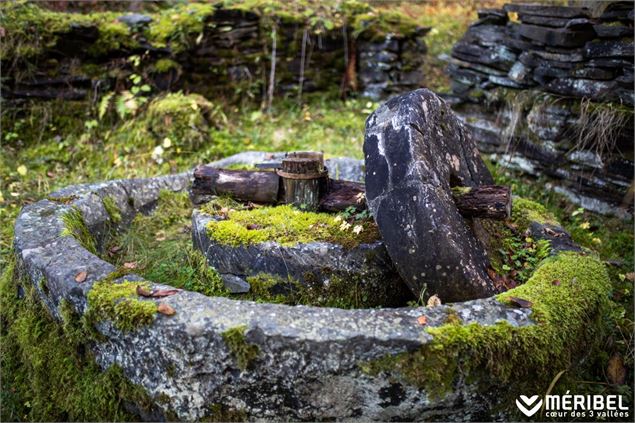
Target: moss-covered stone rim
pixel 447 335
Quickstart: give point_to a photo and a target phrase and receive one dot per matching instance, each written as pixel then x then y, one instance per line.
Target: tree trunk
pixel 242 185
pixel 304 179
pixel 485 201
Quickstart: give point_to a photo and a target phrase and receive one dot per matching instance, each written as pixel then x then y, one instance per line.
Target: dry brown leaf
pixel 81 277
pixel 160 293
pixel 144 292
pixel 555 282
pixel 422 320
pixel 434 301
pixel 520 302
pixel 253 226
pixel 616 372
pixel 130 265
pixel 164 308
pixel 630 276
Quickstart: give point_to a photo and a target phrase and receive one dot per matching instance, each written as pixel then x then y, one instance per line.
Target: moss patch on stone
pixel 112 209
pixel 161 246
pixel 120 303
pixel 526 211
pixel 47 370
pixel 569 318
pixel 244 352
pixel 289 226
pixel 75 226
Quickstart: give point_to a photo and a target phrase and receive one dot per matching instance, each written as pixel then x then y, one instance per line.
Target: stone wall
pixel 549 90
pixel 210 50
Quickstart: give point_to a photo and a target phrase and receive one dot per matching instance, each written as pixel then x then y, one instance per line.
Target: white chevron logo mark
pixel 525 404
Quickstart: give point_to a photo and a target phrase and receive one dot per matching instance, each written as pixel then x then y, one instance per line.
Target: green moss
pixel 120 303
pixel 223 413
pixel 112 209
pixel 161 246
pixel 244 352
pixel 165 65
pixel 288 226
pixel 75 226
pixel 47 371
pixel 178 27
pixel 568 315
pixel 269 288
pixel 526 211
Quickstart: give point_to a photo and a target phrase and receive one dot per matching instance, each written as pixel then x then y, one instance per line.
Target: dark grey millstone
pixel 134 20
pixel 366 265
pixel 556 36
pixel 235 284
pixel 415 149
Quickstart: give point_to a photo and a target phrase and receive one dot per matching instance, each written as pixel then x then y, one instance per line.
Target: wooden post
pixel 304 179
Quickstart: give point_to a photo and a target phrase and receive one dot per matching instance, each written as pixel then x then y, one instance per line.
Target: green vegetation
pixel 120 303
pixel 289 226
pixel 75 226
pixel 112 209
pixel 244 352
pixel 47 371
pixel 159 248
pixel 569 318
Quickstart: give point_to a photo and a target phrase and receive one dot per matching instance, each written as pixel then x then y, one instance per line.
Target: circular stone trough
pixel 216 355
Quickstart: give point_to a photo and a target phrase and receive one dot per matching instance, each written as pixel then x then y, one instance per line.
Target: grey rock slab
pixel 235 285
pixel 135 19
pixel 556 36
pixel 317 262
pixel 415 149
pixel 548 10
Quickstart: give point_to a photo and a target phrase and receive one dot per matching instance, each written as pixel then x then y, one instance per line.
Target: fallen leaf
pixel 630 276
pixel 615 371
pixel 160 236
pixel 253 226
pixel 159 293
pixel 144 292
pixel 50 174
pixel 555 282
pixel 520 302
pixel 434 301
pixel 164 308
pixel 130 265
pixel 422 320
pixel 81 277
pixel 22 170
pixel 553 233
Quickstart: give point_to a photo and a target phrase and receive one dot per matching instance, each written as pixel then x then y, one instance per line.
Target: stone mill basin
pixel 223 358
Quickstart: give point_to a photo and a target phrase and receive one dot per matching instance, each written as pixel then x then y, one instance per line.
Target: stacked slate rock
pixel 527 78
pixel 231 55
pixel 561 50
pixel 392 65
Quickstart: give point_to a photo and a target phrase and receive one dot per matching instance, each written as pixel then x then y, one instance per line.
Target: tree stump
pixel 304 179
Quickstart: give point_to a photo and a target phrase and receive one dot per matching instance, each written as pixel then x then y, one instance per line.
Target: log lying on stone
pixel 243 185
pixel 485 202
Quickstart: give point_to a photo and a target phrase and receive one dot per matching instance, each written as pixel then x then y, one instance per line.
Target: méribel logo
pixel 529 406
